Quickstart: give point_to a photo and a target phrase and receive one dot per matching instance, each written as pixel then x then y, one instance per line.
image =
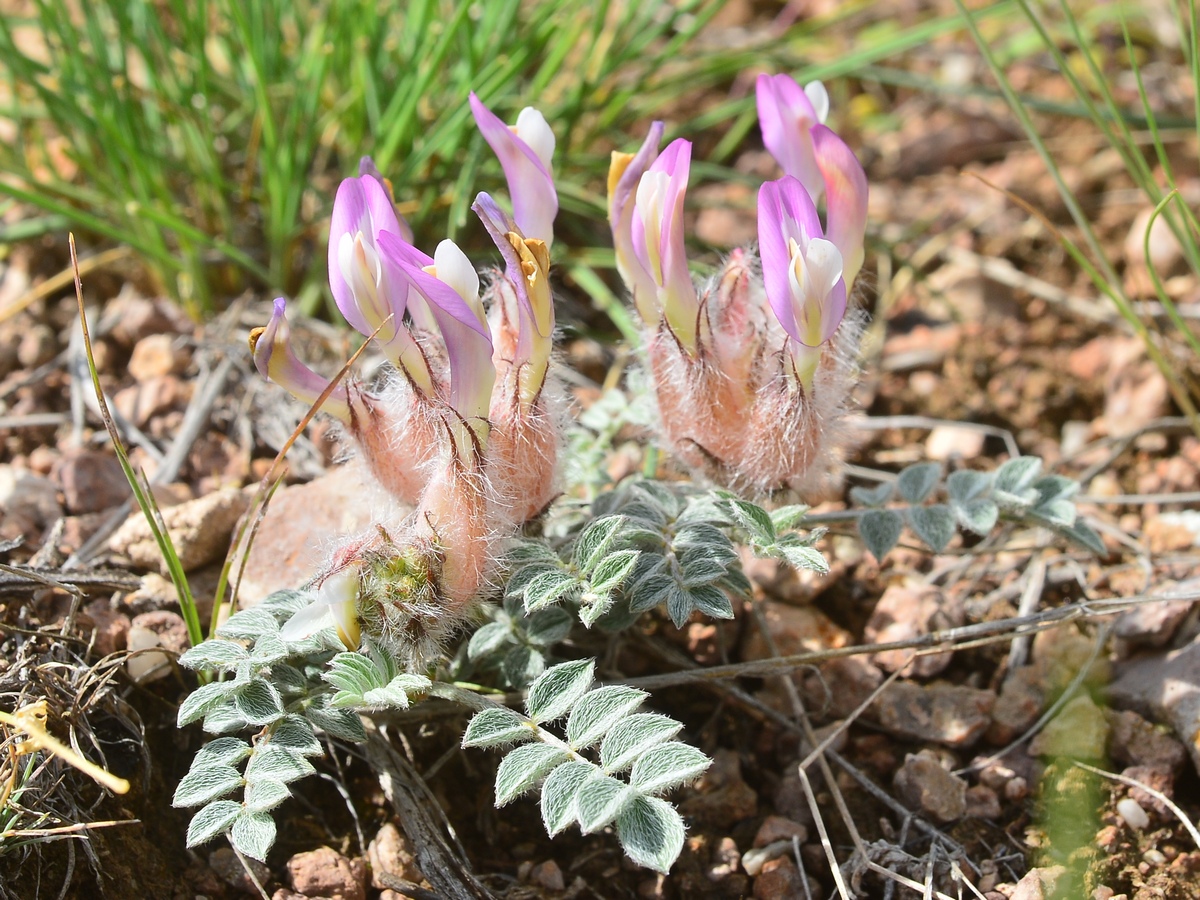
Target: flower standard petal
pixel 786 116
pixel 657 234
pixel 366 166
pixel 845 198
pixel 361 209
pixel 524 153
pixel 787 218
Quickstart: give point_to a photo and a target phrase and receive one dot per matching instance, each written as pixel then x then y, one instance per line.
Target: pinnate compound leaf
pixel 276 763
pixel 557 689
pixel 558 795
pixel 876 496
pixel 520 579
pixel 296 734
pixel 259 702
pixel 667 766
pixel 338 723
pixel 214 655
pixel 523 768
pixel 199 786
pixel 1086 537
pixel 595 541
pixel 702 570
pixel 965 485
pixel 596 607
pixel 933 524
pixel 249 624
pixel 353 673
pixel 224 751
pixel 224 718
pixel 522 665
pixel 710 600
pixel 752 519
pixel 253 833
pixel 880 530
pixel 651 832
pixel 598 711
pixel 214 819
pixel 549 587
pixel 489 639
pixel 1018 474
pixel 633 736
pixel 788 517
pixel 495 726
pixel 600 800
pixel 204 698
pixel 547 627
pixel 611 571
pixel 979 516
pixel 917 482
pixel 1058 513
pixel 264 795
pixel 803 557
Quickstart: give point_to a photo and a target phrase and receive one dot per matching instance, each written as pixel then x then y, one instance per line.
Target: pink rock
pixel 905 613
pixel 325 873
pixel 200 530
pixel 953 715
pixel 303 523
pixel 141 402
pixel 90 481
pixel 111 627
pixel 1038 884
pixel 1166 685
pixel 391 852
pixel 1018 706
pixel 925 786
pixel 779 880
pixel 982 802
pixel 548 875
pixel 1134 741
pixel 156 355
pixel 779 828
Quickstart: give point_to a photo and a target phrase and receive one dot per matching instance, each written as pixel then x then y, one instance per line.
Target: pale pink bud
pixel 624 173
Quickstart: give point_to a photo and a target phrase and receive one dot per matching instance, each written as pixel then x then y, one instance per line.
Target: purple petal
pixel 277 362
pixel 786 117
pixel 498 225
pixel 785 211
pixel 621 218
pixel 468 343
pixel 530 185
pixel 366 167
pixel 361 205
pixel 846 198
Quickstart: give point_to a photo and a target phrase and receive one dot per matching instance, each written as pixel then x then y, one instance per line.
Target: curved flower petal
pixel 466 338
pixel 525 152
pixel 786 217
pixel 624 174
pixel 336 605
pixel 845 198
pixel 657 234
pixel 786 116
pixel 361 209
pixel 366 166
pixel 274 358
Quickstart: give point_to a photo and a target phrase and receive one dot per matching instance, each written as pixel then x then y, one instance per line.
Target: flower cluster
pixel 752 372
pixel 465 433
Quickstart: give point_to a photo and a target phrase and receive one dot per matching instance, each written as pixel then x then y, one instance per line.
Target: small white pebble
pixel 1154 857
pixel 1133 814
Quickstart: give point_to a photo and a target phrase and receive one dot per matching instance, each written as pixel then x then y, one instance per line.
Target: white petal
pixel 307 622
pixel 533 129
pixel 819 98
pixel 824 267
pixel 454 269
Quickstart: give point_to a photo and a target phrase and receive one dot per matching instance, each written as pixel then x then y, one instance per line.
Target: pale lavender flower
pixel 802 271
pixel 525 150
pixel 657 235
pixel 368 285
pixel 787 115
pixel 624 173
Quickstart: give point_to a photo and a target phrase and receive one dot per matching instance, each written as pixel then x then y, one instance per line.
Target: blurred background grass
pixel 209 136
